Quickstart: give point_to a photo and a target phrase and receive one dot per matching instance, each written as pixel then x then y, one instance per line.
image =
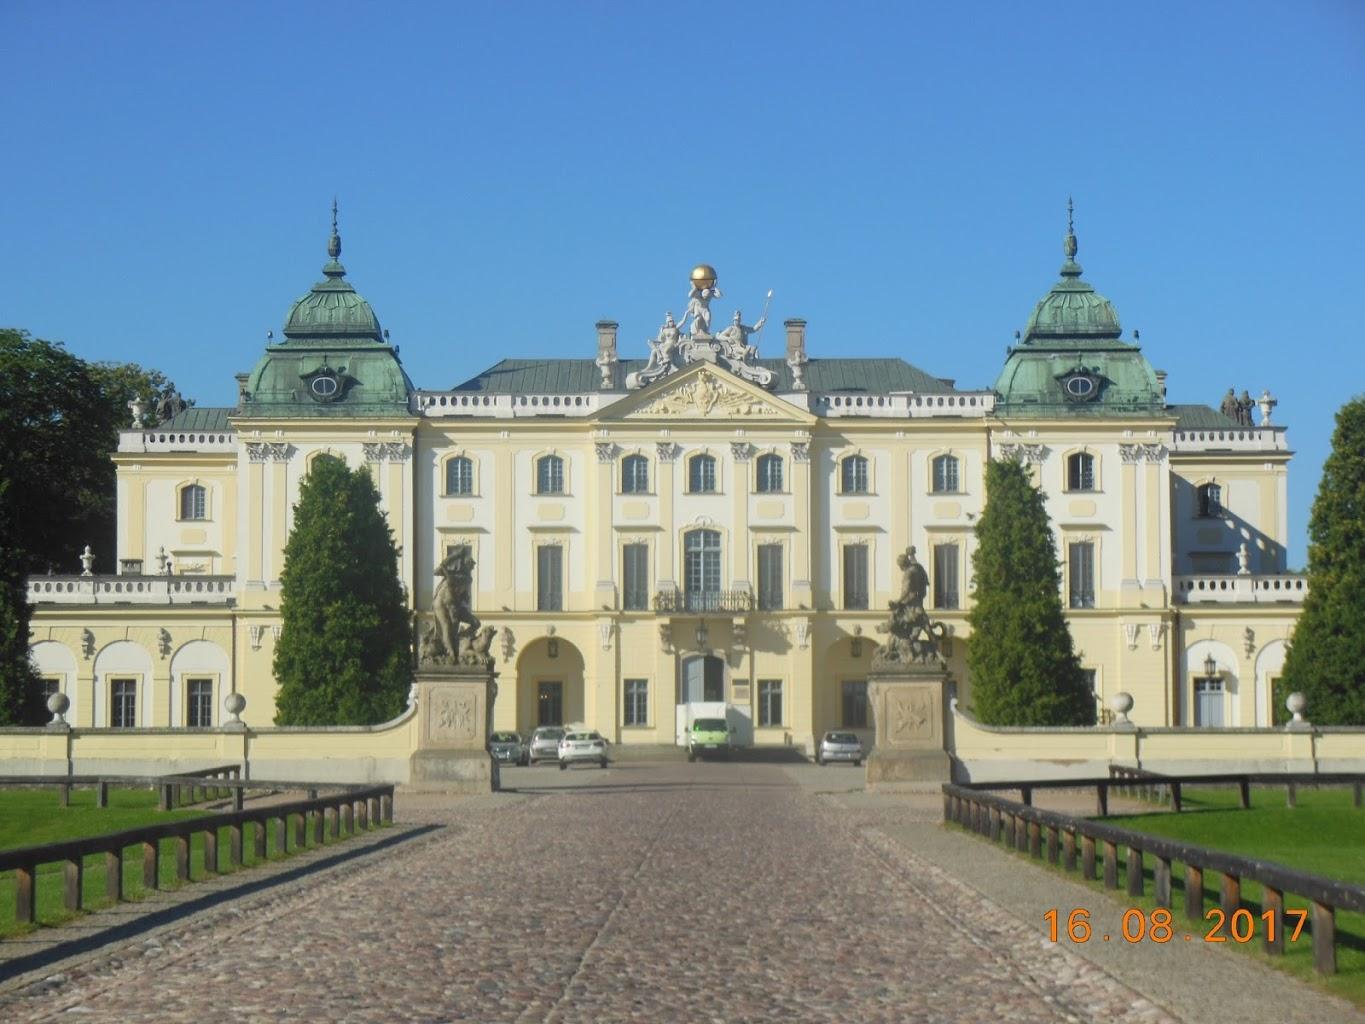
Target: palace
pixel 703 525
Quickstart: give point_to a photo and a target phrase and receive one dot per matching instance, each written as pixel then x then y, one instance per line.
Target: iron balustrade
pixel 675 600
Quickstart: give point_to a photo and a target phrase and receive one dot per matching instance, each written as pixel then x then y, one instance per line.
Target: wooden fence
pixel 1026 828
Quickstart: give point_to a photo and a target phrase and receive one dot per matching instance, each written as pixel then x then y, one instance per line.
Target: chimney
pixel 796 340
pixel 1161 383
pixel 606 339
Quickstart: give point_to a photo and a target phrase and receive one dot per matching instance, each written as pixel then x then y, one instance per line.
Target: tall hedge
pixel 344 653
pixel 1326 660
pixel 1023 667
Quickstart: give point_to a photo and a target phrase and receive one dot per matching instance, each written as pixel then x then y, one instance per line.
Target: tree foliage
pixel 21 692
pixel 1326 660
pixel 1024 669
pixel 344 654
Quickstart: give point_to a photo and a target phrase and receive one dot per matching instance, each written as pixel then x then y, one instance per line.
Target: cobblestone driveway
pixel 704 892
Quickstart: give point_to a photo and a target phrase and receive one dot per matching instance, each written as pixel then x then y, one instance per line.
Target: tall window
pixel 459 475
pixel 770 702
pixel 1208 702
pixel 701 569
pixel 945 475
pixel 550 578
pixel 637 702
pixel 1081 571
pixel 635 475
pixel 635 577
pixel 701 474
pixel 945 576
pixel 855 576
pixel 769 577
pixel 1210 501
pixel 854 704
pixel 1080 472
pixel 550 475
pixel 199 703
pixel 193 502
pixel 770 474
pixel 853 475
pixel 51 685
pixel 123 703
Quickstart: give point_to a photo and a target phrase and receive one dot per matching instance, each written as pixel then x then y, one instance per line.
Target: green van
pixel 708 736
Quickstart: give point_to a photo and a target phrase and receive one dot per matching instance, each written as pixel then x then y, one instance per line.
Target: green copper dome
pixel 1071 361
pixel 335 359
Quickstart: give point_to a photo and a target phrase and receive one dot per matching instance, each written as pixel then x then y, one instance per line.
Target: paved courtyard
pixel 654 892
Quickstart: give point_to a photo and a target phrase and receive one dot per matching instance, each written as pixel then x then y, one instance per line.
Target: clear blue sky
pixel 511 172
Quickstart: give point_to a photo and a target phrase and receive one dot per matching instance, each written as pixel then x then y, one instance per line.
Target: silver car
pixel 839 746
pixel 582 746
pixel 544 745
pixel 507 748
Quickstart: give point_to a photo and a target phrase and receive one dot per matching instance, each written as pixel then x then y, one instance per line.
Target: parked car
pixel 708 736
pixel 508 748
pixel 839 746
pixel 544 745
pixel 582 746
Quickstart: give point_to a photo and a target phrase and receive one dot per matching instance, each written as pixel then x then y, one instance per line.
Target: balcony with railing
pixel 156 590
pixel 673 601
pixel 1217 588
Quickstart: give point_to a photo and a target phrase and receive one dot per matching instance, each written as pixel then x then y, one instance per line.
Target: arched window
pixel 459 475
pixel 1210 501
pixel 770 474
pixel 550 475
pixel 853 475
pixel 701 474
pixel 635 475
pixel 1080 472
pixel 193 502
pixel 701 570
pixel 945 475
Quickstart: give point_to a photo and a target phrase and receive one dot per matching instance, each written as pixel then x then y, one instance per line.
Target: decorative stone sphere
pixel 1297 704
pixel 703 276
pixel 58 704
pixel 234 702
pixel 1121 704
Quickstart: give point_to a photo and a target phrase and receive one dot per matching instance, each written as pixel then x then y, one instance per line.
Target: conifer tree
pixel 344 654
pixel 1024 670
pixel 1326 660
pixel 21 691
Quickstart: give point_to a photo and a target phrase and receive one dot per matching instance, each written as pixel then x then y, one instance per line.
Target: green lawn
pixel 33 817
pixel 1324 835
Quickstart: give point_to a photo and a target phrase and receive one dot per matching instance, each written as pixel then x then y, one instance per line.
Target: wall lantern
pixel 553 647
pixel 856 646
pixel 1210 666
pixel 702 635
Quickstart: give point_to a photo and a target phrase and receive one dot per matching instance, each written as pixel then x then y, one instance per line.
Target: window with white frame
pixel 1080 472
pixel 1210 501
pixel 770 474
pixel 945 576
pixel 701 474
pixel 853 475
pixel 193 502
pixel 770 593
pixel 199 703
pixel 1081 574
pixel 946 480
pixel 1208 702
pixel 635 475
pixel 637 702
pixel 855 576
pixel 549 475
pixel 701 570
pixel 459 476
pixel 52 685
pixel 123 703
pixel 549 578
pixel 635 577
pixel 770 702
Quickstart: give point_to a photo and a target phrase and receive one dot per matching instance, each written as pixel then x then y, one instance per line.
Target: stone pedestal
pixel 454 716
pixel 908 706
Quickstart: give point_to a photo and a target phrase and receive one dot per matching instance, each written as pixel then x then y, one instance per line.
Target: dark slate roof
pixel 579 376
pixel 1200 417
pixel 197 418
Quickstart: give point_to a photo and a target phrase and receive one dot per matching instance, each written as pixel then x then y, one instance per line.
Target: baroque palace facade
pixel 704 525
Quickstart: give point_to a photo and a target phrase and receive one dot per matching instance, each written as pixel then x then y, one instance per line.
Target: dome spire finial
pixel 1070 245
pixel 334 243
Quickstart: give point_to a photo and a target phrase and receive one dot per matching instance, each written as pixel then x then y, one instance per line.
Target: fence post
pixel 282 835
pixel 1245 787
pixel 258 832
pixel 1161 880
pixel 1111 865
pixel 75 877
pixel 238 798
pixel 1291 796
pixel 1175 796
pixel 362 816
pixel 64 794
pixel 1052 844
pixel 1035 840
pixel 113 875
pixel 1135 880
pixel 318 824
pixel 1324 939
pixel 1026 795
pixel 1088 858
pixel 211 851
pixel 1273 901
pixel 182 858
pixel 300 830
pixel 1102 799
pixel 386 806
pixel 102 794
pixel 151 864
pixel 1231 897
pixel 235 844
pixel 374 810
pixel 25 898
pixel 348 818
pixel 1069 850
pixel 1194 892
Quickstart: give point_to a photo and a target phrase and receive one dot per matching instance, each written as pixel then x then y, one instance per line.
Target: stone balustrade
pixel 971 405
pixel 154 590
pixel 1219 588
pixel 1235 439
pixel 177 441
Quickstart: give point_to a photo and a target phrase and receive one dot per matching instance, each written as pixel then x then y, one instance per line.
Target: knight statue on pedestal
pixel 914 638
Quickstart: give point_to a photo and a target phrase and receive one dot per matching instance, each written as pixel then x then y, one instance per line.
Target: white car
pixel 582 746
pixel 839 746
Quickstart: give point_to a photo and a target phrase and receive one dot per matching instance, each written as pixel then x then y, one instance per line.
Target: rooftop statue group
pixel 1238 409
pixel 455 636
pixel 914 638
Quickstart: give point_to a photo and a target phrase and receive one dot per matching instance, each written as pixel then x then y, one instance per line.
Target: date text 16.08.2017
pixel 1156 926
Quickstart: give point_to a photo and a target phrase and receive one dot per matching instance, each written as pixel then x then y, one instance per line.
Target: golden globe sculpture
pixel 703 276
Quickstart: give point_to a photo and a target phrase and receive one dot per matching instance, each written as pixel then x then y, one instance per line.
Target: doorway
pixel 550 703
pixel 703 679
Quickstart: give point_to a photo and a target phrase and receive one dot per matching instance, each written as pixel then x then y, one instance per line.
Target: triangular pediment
pixel 704 392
